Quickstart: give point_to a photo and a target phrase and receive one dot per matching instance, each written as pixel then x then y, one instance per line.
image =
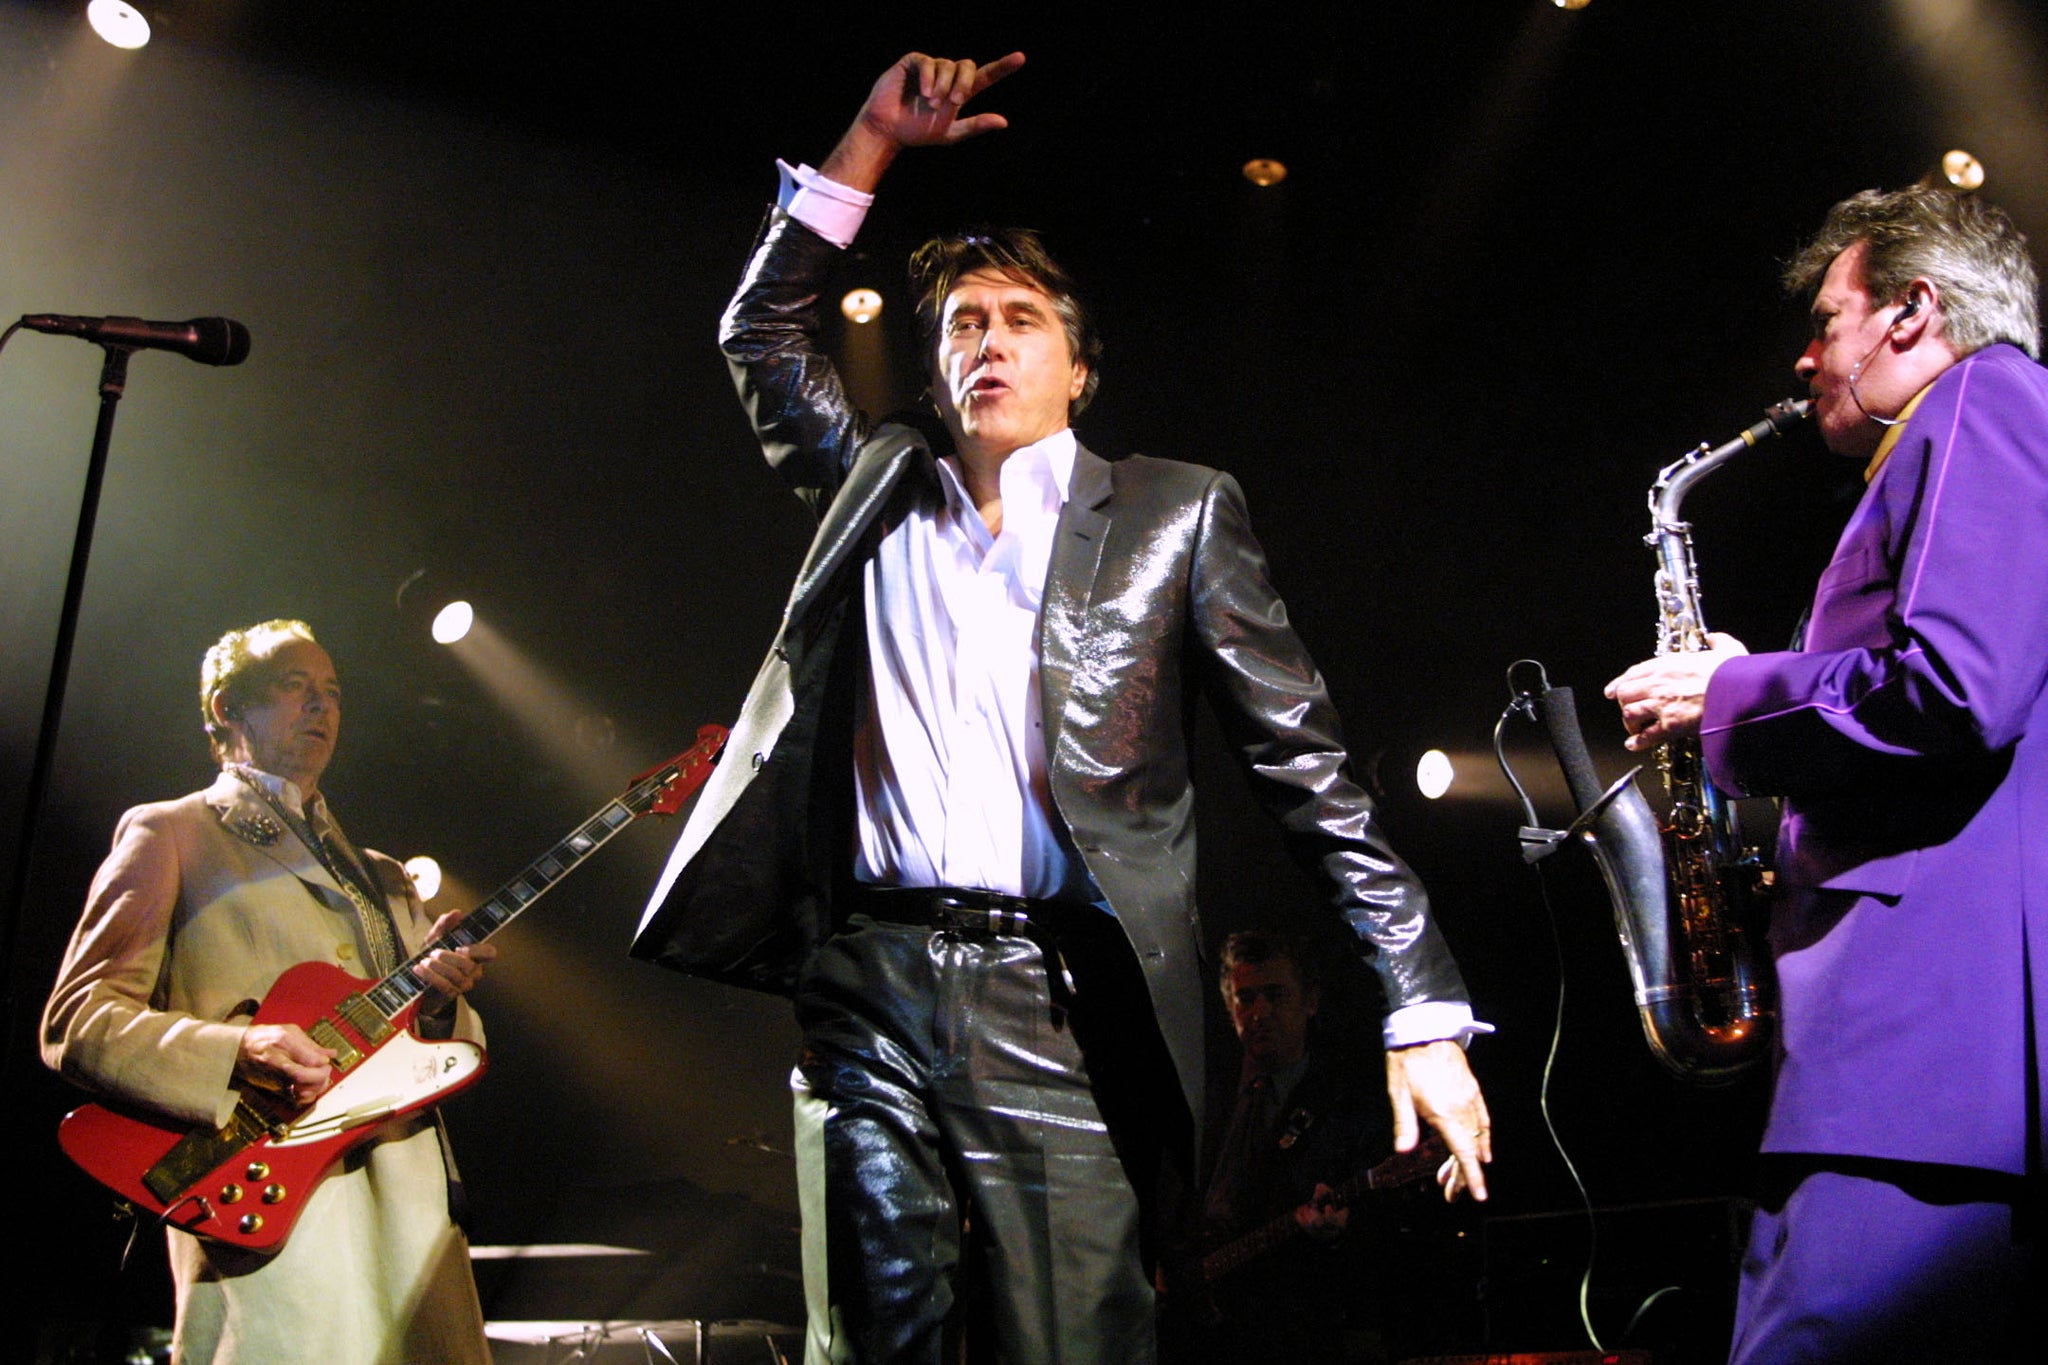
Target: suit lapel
pixel 877 470
pixel 249 818
pixel 1070 586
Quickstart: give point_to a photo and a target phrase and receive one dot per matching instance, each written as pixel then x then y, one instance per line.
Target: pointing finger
pixel 996 70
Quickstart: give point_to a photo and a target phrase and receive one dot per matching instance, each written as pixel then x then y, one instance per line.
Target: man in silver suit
pixel 957 822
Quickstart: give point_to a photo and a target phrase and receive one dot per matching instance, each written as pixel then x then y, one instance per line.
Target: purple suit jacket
pixel 1909 739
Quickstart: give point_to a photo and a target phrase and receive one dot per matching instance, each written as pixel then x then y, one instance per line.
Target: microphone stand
pixel 113 381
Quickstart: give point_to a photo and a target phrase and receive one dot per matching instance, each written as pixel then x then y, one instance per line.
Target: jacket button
pixel 759 759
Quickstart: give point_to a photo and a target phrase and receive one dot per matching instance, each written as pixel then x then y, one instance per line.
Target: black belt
pixel 956 907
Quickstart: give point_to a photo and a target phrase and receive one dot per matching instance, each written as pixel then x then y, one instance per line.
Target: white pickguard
pixel 407 1073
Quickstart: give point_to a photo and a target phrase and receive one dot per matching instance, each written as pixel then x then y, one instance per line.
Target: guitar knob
pixel 273 1194
pixel 251 1222
pixel 259 1170
pixel 231 1194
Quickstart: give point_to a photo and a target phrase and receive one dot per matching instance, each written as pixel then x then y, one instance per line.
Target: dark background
pixel 1523 258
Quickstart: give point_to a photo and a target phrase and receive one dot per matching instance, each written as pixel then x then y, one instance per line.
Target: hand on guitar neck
pixel 449 974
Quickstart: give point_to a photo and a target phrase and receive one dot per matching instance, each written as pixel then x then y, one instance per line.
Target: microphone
pixel 1856 371
pixel 210 341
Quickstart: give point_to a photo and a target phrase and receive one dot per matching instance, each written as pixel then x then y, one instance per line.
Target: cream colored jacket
pixel 203 902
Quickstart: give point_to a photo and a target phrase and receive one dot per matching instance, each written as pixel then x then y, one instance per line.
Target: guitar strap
pixel 323 837
pixel 325 841
pixel 346 866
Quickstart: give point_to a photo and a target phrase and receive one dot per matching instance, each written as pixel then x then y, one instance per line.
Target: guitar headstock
pixel 663 788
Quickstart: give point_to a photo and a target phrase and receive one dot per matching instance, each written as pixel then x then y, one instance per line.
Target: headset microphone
pixel 1912 306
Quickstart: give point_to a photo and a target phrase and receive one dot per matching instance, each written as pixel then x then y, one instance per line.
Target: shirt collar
pixel 282 790
pixel 1283 1081
pixel 1048 464
pixel 1893 434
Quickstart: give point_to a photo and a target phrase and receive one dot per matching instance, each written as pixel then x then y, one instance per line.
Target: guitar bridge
pixel 323 1032
pixel 193 1156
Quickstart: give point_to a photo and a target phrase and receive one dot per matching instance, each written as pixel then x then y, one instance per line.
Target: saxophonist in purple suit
pixel 1908 738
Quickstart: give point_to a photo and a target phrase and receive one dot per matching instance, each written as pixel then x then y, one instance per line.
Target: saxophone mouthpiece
pixel 1789 413
pixel 1778 418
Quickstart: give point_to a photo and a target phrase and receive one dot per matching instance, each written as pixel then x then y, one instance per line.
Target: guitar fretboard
pixel 401 988
pixel 1399 1169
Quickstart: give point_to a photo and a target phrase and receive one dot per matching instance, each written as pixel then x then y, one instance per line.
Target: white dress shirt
pixel 949 758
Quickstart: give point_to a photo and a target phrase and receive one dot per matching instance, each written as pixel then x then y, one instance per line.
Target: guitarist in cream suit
pixel 200 906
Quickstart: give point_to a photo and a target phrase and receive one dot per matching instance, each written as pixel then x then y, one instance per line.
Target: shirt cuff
pixel 822 204
pixel 1430 1022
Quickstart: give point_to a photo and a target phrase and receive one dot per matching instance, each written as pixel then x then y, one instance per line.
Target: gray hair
pixel 1968 248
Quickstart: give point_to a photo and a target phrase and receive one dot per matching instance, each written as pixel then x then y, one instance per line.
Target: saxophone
pixel 1706 1011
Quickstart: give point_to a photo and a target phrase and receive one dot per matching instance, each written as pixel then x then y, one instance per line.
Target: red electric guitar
pixel 247 1182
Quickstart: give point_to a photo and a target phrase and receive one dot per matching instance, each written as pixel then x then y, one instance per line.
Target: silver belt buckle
pixel 1005 920
pixel 998 914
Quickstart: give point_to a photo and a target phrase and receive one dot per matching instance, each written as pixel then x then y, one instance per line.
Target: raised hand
pixel 915 103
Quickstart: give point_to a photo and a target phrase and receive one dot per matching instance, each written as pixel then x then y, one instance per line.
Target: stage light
pixel 452 622
pixel 1573 4
pixel 861 305
pixel 426 876
pixel 596 733
pixel 122 25
pixel 1978 65
pixel 1264 171
pixel 1963 171
pixel 571 731
pixel 1433 773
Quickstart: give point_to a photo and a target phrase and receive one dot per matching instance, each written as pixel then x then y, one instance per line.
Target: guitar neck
pixel 399 989
pixel 661 789
pixel 1402 1168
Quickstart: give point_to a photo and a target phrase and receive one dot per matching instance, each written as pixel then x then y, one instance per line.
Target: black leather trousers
pixel 943 1104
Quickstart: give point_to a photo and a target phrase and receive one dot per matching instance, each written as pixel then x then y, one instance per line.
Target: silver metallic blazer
pixel 1156 587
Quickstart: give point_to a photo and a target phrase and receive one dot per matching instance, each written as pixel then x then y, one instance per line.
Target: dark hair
pixel 1255 948
pixel 1968 248
pixel 1015 254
